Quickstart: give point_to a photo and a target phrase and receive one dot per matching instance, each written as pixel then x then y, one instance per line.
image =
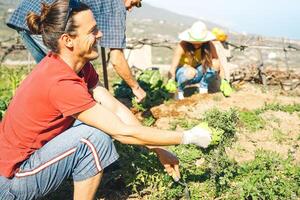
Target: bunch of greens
pixel 224 124
pixel 217 133
pixel 153 83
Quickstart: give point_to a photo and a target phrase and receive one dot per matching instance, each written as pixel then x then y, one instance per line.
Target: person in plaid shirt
pixel 110 16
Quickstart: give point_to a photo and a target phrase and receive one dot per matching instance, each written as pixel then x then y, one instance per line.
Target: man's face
pixel 85 42
pixel 129 4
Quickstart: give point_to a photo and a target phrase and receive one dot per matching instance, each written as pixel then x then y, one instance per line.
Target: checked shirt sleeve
pixel 111 20
pixel 18 18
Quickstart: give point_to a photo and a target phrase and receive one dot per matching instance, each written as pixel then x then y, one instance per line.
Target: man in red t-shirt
pixel 41 144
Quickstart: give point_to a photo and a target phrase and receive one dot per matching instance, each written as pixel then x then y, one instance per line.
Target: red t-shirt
pixel 42 108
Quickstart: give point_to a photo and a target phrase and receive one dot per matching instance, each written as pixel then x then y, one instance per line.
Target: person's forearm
pixel 147 136
pixel 117 59
pixel 101 95
pixel 102 118
pixel 128 118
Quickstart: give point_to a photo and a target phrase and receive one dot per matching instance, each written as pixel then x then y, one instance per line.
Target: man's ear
pixel 67 40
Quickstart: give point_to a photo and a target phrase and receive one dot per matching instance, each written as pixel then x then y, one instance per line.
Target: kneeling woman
pixel 195 60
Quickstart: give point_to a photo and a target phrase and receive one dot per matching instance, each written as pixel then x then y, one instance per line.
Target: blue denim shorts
pixel 80 152
pixel 204 79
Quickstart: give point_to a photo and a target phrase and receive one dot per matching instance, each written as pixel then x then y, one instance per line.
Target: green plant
pixel 143 174
pixel 148 121
pixel 279 136
pixel 285 108
pixel 183 123
pixel 217 134
pixel 226 121
pixel 267 177
pixel 3 107
pixel 222 169
pixel 14 76
pixel 122 90
pixel 251 120
pixel 4 101
pixel 289 108
pixel 153 84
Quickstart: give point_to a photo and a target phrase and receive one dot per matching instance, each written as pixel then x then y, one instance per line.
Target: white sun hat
pixel 197 33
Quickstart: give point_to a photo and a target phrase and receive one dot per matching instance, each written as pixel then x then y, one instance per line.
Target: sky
pixel 279 18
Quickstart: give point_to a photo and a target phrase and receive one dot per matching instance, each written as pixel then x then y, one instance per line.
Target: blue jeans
pixel 34 44
pixel 81 152
pixel 202 78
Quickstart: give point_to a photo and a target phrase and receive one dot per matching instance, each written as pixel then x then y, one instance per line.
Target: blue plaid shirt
pixel 109 14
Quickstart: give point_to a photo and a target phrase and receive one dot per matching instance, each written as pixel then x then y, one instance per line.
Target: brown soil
pixel 282 130
pixel 280 134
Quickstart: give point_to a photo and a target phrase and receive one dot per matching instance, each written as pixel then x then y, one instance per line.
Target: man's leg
pixel 87 189
pixel 34 45
pixel 81 152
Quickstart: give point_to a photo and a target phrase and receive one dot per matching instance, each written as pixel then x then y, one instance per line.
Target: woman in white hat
pixel 195 59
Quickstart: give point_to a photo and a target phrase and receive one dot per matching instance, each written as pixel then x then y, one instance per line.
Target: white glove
pixel 198 136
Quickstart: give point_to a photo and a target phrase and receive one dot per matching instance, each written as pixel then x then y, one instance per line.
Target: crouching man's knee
pixel 95 152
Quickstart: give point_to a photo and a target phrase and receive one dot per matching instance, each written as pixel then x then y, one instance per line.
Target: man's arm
pixel 114 118
pixel 106 118
pixel 120 64
pixel 167 159
pixel 102 118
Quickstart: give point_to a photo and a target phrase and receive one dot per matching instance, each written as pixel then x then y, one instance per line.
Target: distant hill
pixel 158 21
pixel 150 12
pixel 160 24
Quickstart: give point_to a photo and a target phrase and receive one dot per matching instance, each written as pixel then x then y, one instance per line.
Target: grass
pixel 183 123
pixel 279 136
pixel 268 176
pixel 251 120
pixel 289 108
